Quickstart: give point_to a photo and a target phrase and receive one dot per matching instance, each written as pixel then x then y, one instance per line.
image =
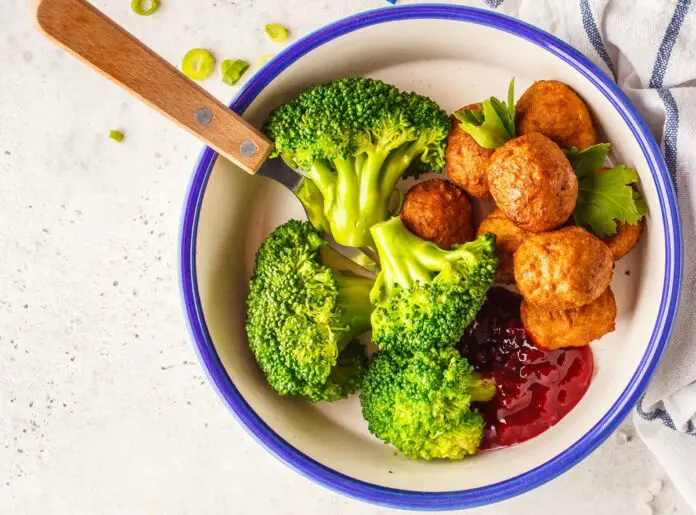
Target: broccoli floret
pixel 426 296
pixel 346 375
pixel 305 305
pixel 422 404
pixel 355 138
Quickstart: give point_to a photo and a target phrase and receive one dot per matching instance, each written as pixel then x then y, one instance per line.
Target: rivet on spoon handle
pixel 248 148
pixel 204 116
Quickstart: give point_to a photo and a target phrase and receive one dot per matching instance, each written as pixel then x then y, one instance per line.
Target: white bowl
pixel 456 55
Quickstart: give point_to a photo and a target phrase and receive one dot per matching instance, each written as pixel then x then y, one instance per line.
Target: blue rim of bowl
pixel 407 499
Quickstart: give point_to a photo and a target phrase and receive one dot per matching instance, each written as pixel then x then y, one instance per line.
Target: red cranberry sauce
pixel 536 388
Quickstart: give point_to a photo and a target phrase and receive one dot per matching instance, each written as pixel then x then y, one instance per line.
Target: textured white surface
pixel 103 408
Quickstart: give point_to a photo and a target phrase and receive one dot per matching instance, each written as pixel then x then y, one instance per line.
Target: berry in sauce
pixel 536 388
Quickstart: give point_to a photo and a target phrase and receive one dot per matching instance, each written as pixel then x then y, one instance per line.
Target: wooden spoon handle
pixel 91 36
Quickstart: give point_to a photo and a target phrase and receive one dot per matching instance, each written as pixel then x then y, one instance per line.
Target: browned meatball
pixel 438 211
pixel 508 238
pixel 563 269
pixel 466 160
pixel 553 109
pixel 624 240
pixel 533 183
pixel 553 329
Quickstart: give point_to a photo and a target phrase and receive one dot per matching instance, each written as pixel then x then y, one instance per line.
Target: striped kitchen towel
pixel 649 48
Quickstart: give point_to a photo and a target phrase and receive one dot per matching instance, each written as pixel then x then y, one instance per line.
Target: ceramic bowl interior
pixel 458 57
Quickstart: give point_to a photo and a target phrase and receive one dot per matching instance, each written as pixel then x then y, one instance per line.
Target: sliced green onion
pixel 232 70
pixel 276 32
pixel 198 64
pixel 116 136
pixel 144 7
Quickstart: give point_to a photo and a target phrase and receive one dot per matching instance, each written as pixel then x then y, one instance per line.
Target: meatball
pixel 563 269
pixel 624 240
pixel 438 211
pixel 466 160
pixel 553 329
pixel 533 183
pixel 553 109
pixel 508 238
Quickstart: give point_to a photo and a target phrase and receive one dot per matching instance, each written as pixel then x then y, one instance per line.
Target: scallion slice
pixel 144 7
pixel 116 136
pixel 198 64
pixel 276 32
pixel 232 70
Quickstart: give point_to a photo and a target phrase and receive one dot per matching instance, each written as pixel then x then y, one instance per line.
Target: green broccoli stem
pixel 392 244
pixel 406 259
pixel 354 286
pixel 340 184
pixel 369 174
pixel 325 180
pixel 398 162
pixel 313 202
pixel 481 388
pixel 357 191
pixel 354 301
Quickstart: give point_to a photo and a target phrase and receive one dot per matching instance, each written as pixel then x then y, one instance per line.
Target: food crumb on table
pixel 655 487
pixel 622 437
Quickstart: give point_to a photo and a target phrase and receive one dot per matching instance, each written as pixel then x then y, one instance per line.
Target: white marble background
pixel 103 407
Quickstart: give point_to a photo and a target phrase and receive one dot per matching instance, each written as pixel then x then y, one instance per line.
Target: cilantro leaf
pixel 584 162
pixel 609 197
pixel 494 123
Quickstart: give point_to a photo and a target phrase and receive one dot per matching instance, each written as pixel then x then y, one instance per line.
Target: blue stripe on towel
pixel 588 22
pixel 663 416
pixel 657 80
pixel 670 137
pixel 667 44
pixel 671 131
